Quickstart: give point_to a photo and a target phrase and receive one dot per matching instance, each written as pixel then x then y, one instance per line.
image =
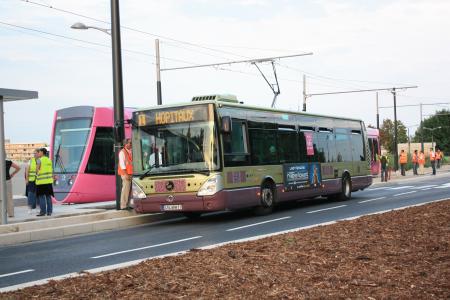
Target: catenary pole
pixel 394 93
pixel 158 73
pixel 117 91
pixel 421 129
pixel 3 168
pixel 378 112
pixel 304 92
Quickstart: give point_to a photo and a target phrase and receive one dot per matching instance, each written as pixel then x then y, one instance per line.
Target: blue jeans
pixel 32 200
pixel 45 202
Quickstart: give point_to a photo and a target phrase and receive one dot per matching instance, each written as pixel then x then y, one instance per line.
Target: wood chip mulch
pixel 401 254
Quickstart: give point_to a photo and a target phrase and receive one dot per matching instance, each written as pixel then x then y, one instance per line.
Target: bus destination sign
pixel 173 115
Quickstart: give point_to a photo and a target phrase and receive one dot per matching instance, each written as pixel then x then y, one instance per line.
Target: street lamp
pixel 432 137
pixel 119 132
pixel 82 26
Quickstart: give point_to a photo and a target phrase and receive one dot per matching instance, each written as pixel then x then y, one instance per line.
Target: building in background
pixel 21 152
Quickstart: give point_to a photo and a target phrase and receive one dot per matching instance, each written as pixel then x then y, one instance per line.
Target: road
pixel 35 261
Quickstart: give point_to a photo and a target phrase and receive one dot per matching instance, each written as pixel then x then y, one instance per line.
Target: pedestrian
pixel 9 191
pixel 30 181
pixel 403 161
pixel 438 158
pixel 384 162
pixel 433 160
pixel 421 161
pixel 415 161
pixel 44 183
pixel 126 173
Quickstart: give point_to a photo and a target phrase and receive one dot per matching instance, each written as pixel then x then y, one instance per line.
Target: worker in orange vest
pixel 433 160
pixel 415 161
pixel 403 161
pixel 125 171
pixel 421 161
pixel 438 158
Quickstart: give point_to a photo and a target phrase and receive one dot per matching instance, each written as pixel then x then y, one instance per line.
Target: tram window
pixel 357 147
pixel 235 144
pixel 263 146
pixel 101 158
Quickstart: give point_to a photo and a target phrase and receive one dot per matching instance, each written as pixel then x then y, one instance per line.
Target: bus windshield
pixel 175 148
pixel 69 144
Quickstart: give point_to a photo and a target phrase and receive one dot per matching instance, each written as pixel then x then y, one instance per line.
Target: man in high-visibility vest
pixel 415 161
pixel 438 158
pixel 30 181
pixel 126 173
pixel 44 182
pixel 403 161
pixel 433 160
pixel 421 161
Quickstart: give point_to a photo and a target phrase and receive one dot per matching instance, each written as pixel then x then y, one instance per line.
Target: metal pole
pixel 395 131
pixel 304 92
pixel 2 165
pixel 378 113
pixel 118 91
pixel 158 73
pixel 421 129
pixel 409 142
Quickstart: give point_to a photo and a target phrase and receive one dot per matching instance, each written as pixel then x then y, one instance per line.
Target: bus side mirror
pixel 226 124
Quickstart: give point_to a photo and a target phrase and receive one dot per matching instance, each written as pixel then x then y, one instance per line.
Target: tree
pixel 441 136
pixel 387 134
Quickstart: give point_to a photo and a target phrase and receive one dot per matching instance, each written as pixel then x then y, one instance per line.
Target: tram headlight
pixel 137 191
pixel 211 186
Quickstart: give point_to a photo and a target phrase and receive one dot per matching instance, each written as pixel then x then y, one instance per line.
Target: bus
pixel 82 152
pixel 374 146
pixel 215 154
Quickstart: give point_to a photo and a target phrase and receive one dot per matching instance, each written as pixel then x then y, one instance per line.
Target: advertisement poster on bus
pixel 295 176
pixel 309 143
pixel 315 176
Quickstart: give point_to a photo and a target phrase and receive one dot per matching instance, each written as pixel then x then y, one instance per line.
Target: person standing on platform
pixel 9 191
pixel 438 158
pixel 384 162
pixel 403 161
pixel 415 161
pixel 44 183
pixel 421 161
pixel 30 181
pixel 433 160
pixel 126 173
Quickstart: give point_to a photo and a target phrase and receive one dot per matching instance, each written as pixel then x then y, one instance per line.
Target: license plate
pixel 170 207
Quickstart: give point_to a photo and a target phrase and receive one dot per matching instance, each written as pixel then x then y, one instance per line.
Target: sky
pixel 355 45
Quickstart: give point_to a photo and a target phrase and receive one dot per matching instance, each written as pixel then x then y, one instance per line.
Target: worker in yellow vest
pixel 125 171
pixel 44 182
pixel 433 160
pixel 403 161
pixel 30 181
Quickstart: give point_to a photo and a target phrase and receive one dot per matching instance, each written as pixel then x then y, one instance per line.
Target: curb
pixel 54 231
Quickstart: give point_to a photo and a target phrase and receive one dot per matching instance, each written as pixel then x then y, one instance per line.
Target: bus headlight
pixel 137 192
pixel 211 186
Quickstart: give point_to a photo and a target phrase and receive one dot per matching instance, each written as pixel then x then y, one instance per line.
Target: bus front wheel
pixel 267 199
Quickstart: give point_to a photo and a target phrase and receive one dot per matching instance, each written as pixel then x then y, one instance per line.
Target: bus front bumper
pixel 180 203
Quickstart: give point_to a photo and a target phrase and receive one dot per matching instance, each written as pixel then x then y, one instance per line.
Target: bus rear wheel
pixel 346 190
pixel 267 199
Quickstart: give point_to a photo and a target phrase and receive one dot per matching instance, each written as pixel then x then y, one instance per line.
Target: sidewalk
pixel 396 176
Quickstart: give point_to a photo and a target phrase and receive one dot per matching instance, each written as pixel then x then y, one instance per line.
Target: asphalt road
pixel 35 261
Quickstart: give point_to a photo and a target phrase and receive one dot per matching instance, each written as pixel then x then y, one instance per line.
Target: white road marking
pixel 405 193
pixel 444 186
pixel 375 199
pixel 426 189
pixel 147 247
pixel 319 210
pixel 259 223
pixel 376 189
pixel 252 238
pixel 425 186
pixel 16 273
pixel 402 187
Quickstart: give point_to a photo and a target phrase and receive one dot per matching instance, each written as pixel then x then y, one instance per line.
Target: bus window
pixel 263 146
pixel 302 147
pixel 235 145
pixel 287 145
pixel 342 148
pixel 358 153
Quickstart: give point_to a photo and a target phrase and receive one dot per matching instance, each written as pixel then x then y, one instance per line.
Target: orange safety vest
pixel 432 156
pixel 128 164
pixel 438 155
pixel 414 158
pixel 421 159
pixel 403 158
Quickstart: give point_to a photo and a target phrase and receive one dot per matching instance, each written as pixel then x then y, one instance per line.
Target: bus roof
pixel 238 105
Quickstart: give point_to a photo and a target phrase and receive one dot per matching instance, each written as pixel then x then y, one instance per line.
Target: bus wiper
pixel 147 172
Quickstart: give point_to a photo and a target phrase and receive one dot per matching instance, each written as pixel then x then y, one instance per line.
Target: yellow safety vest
pixel 45 175
pixel 32 170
